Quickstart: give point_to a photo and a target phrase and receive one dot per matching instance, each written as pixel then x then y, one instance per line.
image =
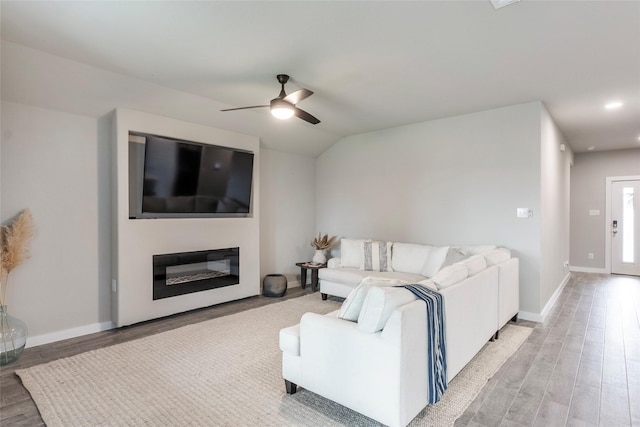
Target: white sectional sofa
pixel 371 354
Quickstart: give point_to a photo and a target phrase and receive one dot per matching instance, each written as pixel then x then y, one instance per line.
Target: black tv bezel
pixel 139 214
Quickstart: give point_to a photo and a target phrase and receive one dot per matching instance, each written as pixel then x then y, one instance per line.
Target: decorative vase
pixel 274 285
pixel 319 257
pixel 13 337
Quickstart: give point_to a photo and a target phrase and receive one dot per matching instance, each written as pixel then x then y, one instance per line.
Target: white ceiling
pixel 372 65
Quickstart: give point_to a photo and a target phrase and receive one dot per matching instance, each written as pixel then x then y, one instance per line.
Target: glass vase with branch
pixel 14 239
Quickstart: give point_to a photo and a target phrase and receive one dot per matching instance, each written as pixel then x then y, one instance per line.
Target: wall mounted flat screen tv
pixel 190 179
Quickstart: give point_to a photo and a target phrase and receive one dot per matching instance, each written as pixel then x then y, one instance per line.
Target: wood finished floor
pixel 581 367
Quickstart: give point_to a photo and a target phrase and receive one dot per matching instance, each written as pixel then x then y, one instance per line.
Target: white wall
pixel 457 180
pixel 555 195
pixel 588 189
pixel 137 240
pixel 51 163
pixel 287 219
pixel 61 108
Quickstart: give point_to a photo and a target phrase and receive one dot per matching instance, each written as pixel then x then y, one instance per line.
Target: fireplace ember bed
pixel 188 272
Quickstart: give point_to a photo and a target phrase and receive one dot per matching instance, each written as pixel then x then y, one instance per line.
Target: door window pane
pixel 627 225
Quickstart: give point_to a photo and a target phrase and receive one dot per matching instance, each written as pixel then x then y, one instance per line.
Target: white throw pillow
pixel 409 257
pixel 475 264
pixel 375 256
pixel 496 256
pixel 350 309
pixel 378 306
pixel 350 252
pixel 434 261
pixel 451 275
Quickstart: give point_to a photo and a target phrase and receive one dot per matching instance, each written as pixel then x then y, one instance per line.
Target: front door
pixel 625 227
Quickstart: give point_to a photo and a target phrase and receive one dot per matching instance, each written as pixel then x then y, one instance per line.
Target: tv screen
pixel 191 179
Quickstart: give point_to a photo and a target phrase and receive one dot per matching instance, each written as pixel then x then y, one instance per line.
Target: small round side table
pixel 304 266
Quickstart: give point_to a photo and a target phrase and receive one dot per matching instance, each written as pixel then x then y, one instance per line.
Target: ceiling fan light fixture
pixel 613 105
pixel 281 109
pixel 497 4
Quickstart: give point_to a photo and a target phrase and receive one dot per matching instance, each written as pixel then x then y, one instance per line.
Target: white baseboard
pixel 588 270
pixel 68 333
pixel 535 317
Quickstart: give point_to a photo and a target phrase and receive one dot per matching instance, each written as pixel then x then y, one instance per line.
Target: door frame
pixel 607 226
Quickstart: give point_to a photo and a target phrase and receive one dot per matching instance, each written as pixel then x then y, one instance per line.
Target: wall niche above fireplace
pixel 188 272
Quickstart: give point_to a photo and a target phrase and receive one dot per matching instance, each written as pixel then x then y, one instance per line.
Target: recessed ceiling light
pixel 497 4
pixel 613 105
pixel 591 148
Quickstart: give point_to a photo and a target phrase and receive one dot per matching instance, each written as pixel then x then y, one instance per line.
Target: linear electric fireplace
pixel 188 272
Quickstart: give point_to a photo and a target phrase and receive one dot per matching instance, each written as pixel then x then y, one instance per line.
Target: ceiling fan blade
pixel 298 96
pixel 245 108
pixel 305 116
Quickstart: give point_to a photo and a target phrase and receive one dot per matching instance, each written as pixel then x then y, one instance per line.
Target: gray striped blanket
pixel 436 342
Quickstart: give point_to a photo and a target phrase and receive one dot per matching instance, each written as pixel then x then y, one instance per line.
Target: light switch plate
pixel 524 213
pixel 594 212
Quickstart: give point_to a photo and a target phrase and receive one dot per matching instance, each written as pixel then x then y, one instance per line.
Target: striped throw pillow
pixel 376 256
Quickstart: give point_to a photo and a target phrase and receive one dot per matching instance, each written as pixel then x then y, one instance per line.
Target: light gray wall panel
pixel 588 179
pixel 288 216
pixel 555 188
pixel 457 180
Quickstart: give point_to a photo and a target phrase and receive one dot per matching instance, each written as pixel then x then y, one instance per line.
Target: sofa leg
pixel 514 319
pixel 291 387
pixel 497 335
pixel 324 297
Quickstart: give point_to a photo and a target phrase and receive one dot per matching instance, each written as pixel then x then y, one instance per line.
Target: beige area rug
pixel 221 372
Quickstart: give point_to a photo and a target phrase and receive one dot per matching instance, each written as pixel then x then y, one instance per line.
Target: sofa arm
pixel 334 263
pixel 381 375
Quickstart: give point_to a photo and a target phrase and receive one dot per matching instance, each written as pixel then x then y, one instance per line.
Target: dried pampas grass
pixel 13 247
pixel 323 242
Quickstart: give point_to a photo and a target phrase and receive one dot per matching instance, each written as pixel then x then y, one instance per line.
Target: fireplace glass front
pixel 188 272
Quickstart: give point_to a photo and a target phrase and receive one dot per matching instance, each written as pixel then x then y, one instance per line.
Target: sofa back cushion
pixel 496 256
pixel 351 252
pixel 375 256
pixel 378 306
pixel 409 257
pixel 477 249
pixel 451 275
pixel 352 305
pixel 475 264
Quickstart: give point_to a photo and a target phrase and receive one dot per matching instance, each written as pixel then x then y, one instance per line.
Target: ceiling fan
pixel 284 106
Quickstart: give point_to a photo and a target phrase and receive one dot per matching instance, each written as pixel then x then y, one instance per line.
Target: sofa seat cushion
pixel 353 276
pixel 290 340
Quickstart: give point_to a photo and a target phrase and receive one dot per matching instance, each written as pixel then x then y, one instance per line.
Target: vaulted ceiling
pixel 372 65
